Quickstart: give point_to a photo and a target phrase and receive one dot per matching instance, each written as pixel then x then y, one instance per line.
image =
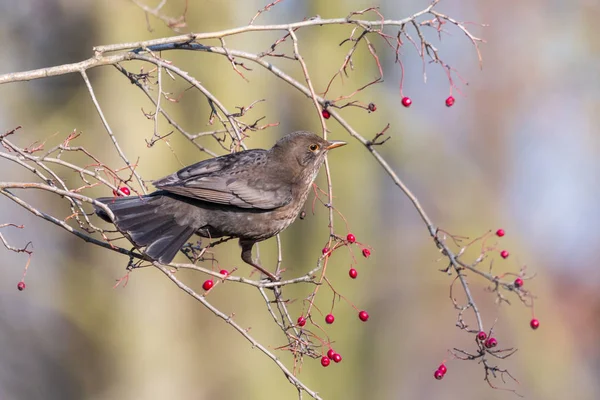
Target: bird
pixel 252 195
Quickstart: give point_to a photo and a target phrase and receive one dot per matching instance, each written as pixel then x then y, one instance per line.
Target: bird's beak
pixel 335 143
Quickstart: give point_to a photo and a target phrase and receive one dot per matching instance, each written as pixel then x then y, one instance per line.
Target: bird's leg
pixel 247 258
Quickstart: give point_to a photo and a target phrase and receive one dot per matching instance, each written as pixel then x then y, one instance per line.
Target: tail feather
pixel 145 235
pixel 166 247
pixel 143 219
pixel 143 224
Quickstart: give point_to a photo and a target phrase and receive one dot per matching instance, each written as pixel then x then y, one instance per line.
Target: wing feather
pixel 230 180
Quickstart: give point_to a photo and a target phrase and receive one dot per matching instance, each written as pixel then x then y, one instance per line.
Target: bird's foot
pixel 267 283
pixel 273 278
pixel 269 276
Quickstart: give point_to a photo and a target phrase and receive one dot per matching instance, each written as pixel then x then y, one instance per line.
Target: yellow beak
pixel 335 143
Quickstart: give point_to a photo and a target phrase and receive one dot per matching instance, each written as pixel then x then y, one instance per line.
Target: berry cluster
pixel 331 355
pixel 209 283
pixel 486 342
pixel 440 372
pixel 518 282
pixel 350 239
pixel 330 318
pixel 407 101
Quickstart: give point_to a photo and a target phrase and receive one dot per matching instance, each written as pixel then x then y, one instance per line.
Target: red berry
pixel 491 342
pixel 366 253
pixel 406 102
pixel 21 286
pixel 482 336
pixel 504 254
pixel 518 282
pixel 325 250
pixel 125 190
pixel 326 114
pixel 534 323
pixel 450 101
pixel 438 374
pixel 363 316
pixel 325 361
pixel 351 238
pixel 301 321
pixel 353 273
pixel 372 107
pixel 336 357
pixel 500 232
pixel 329 318
pixel 224 272
pixel 208 284
pixel 330 354
pixel 442 368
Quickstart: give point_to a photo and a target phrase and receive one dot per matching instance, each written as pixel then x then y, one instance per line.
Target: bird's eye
pixel 313 147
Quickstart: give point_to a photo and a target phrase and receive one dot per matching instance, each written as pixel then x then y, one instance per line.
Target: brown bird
pixel 252 195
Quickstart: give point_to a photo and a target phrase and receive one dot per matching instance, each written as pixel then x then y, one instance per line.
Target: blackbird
pixel 252 195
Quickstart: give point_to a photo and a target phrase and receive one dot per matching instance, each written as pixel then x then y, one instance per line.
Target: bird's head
pixel 304 150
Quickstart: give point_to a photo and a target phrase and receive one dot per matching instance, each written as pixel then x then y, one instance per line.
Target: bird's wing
pixel 236 179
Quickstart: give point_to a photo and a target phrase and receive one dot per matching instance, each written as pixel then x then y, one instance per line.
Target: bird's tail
pixel 143 219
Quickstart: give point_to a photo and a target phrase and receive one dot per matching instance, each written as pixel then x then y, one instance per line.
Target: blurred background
pixel 517 151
